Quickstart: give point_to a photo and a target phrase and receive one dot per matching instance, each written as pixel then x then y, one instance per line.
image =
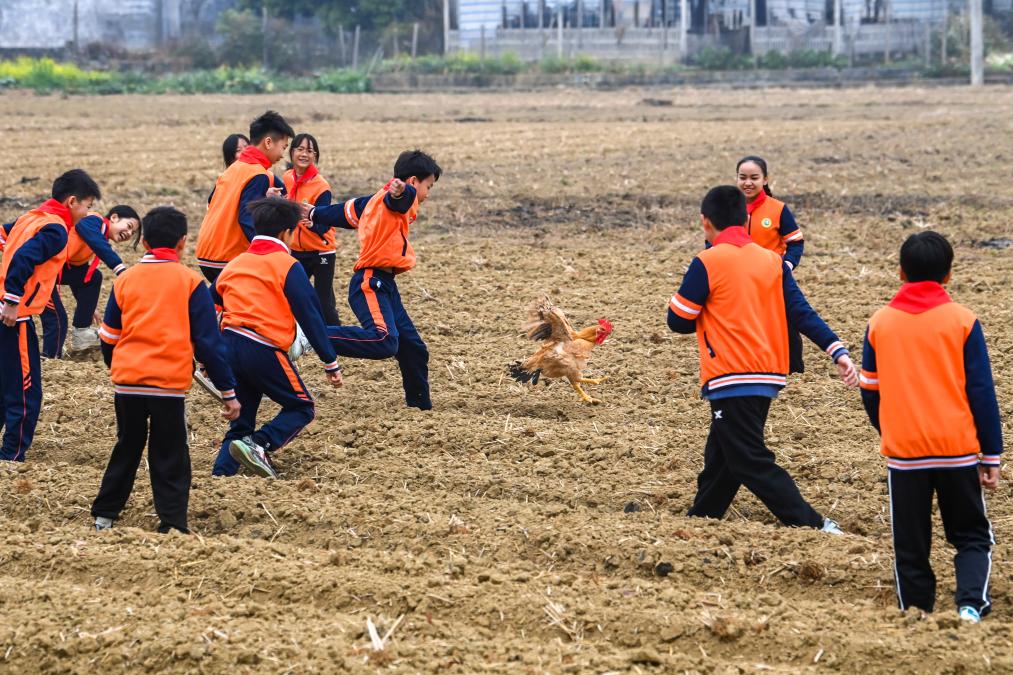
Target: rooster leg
pixel 583 394
pixel 587 380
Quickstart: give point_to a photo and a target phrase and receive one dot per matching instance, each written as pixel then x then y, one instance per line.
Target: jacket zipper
pixel 34 293
pixel 708 343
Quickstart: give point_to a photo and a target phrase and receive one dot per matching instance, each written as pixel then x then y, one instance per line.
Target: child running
pixel 313 246
pixel 927 388
pixel 159 316
pixel 87 246
pixel 382 221
pixel 744 359
pixel 263 293
pixel 35 252
pixel 772 225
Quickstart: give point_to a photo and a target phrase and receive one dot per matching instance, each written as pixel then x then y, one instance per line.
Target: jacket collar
pixel 736 236
pixel 262 245
pixel 251 154
pixel 55 208
pixel 757 203
pixel 920 296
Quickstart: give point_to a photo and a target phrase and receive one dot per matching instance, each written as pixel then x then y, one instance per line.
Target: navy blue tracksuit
pixel 400 340
pixel 262 369
pixel 386 330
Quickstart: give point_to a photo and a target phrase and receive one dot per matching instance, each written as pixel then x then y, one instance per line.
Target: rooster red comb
pixel 605 327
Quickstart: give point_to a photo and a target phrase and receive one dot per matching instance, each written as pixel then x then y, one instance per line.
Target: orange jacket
pixel 383 235
pixel 310 192
pixel 252 288
pixel 157 312
pixel 765 225
pixel 742 331
pixel 221 238
pixel 39 283
pixel 915 360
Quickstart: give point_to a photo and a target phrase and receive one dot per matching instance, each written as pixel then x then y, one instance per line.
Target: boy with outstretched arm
pixel 738 298
pixel 263 293
pixel 159 316
pixel 35 252
pixel 87 247
pixel 927 388
pixel 382 221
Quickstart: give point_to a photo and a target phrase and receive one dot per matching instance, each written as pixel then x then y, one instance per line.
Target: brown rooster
pixel 564 352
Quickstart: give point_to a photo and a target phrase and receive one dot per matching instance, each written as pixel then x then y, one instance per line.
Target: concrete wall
pixel 135 25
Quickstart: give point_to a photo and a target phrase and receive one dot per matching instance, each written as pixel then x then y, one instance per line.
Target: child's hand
pixel 230 409
pixel 307 210
pixel 846 369
pixel 334 378
pixel 97 319
pixel 9 314
pixel 989 476
pixel 396 188
pixel 273 192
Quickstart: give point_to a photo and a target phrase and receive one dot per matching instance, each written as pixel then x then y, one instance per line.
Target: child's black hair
pixel 75 183
pixel 724 206
pixel 230 146
pixel 926 256
pixel 760 162
pixel 163 227
pixel 124 212
pixel 297 141
pixel 415 163
pixel 269 124
pixel 273 215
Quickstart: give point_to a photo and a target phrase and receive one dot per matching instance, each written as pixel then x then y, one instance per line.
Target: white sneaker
pixel 830 527
pixel 969 614
pixel 202 379
pixel 83 340
pixel 103 523
pixel 300 345
pixel 252 456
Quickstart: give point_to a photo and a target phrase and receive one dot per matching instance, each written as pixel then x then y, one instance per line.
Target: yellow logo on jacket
pixel 766 223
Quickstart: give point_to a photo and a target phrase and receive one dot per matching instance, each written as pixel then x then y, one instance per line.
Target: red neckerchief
pixel 310 174
pixel 251 154
pixel 756 203
pixel 263 246
pixel 736 236
pixel 920 296
pixel 164 254
pixel 95 261
pixel 55 208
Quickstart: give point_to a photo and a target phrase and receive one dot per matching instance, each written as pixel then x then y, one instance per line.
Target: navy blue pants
pixel 962 509
pixel 386 331
pixel 159 423
pixel 21 386
pixel 262 371
pixel 54 317
pixel 320 268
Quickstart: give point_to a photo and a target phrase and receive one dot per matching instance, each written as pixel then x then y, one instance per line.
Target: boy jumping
pixel 744 359
pixel 263 293
pixel 34 254
pixel 927 388
pixel 382 221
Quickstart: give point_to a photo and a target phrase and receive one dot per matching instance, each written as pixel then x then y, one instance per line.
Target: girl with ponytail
pixel 772 225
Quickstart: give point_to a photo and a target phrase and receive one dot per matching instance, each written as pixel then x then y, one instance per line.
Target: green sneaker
pixel 252 456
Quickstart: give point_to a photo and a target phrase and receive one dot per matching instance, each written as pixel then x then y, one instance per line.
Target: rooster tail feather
pixel 517 372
